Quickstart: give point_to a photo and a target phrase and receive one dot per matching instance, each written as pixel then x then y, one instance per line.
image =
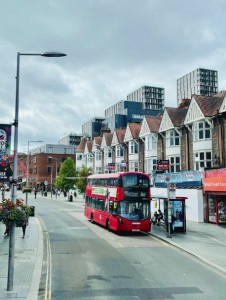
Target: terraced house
pixel 191 136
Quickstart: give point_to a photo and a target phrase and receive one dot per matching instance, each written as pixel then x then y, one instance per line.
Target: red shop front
pixel 214 187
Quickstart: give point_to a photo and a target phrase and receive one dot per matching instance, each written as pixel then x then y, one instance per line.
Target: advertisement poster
pixel 5 147
pixel 177 213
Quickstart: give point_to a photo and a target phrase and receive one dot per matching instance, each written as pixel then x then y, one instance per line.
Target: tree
pixel 83 173
pixel 66 178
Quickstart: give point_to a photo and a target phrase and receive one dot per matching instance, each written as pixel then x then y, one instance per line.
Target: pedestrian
pixel 35 193
pixel 24 226
pixel 160 216
pixel 7 230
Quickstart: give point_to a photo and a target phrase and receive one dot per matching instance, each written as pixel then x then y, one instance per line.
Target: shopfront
pixel 214 187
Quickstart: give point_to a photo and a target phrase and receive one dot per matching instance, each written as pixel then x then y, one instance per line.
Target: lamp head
pixel 53 54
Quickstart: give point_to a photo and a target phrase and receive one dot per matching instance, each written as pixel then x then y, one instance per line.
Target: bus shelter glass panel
pixel 222 209
pixel 212 208
pixel 178 215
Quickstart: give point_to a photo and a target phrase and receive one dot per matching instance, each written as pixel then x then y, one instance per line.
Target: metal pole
pixel 15 161
pixel 51 180
pixel 14 185
pixel 27 178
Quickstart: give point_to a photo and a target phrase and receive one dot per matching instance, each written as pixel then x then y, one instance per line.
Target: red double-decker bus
pixel 119 201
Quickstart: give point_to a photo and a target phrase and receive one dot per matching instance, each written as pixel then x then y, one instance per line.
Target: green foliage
pixel 67 171
pixel 17 213
pixel 82 179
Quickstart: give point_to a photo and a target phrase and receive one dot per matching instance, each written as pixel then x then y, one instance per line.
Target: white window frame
pixel 174 138
pixel 119 151
pixel 203 159
pixel 202 131
pixel 133 148
pixel 175 164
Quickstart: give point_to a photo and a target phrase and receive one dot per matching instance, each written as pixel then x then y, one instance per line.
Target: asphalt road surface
pixel 85 261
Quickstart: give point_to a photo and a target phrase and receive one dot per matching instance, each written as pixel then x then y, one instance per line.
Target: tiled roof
pixel 81 146
pixel 135 129
pixel 120 132
pixel 153 122
pixel 97 141
pixel 209 105
pixel 177 115
pixel 108 138
pixel 89 145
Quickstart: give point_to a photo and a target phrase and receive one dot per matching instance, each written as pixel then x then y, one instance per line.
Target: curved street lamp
pixel 15 160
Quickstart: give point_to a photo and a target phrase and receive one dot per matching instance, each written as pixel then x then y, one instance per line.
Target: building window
pixel 79 156
pixel 49 170
pixel 119 151
pixel 98 155
pixel 203 160
pixel 174 164
pixel 133 166
pixel 98 170
pixel 174 138
pixel 109 154
pixel 202 131
pixel 89 158
pixel 150 165
pixel 150 143
pixel 133 148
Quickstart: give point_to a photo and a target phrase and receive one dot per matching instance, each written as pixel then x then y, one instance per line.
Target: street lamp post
pixel 15 160
pixel 27 175
pixel 52 174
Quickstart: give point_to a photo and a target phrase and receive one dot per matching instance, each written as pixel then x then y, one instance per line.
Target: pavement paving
pixel 204 241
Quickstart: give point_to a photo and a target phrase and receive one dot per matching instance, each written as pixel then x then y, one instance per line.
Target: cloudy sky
pixel 113 47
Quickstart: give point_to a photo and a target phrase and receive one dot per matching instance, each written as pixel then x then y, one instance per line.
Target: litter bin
pixel 65 194
pixel 32 212
pixel 71 198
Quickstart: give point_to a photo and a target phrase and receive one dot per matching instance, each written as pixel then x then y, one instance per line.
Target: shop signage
pixel 111 166
pixel 163 164
pixel 184 179
pixel 214 180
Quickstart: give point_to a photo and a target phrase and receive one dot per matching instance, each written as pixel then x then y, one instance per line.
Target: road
pixel 85 261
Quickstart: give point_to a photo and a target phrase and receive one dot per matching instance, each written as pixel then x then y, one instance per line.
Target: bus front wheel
pixel 91 218
pixel 108 225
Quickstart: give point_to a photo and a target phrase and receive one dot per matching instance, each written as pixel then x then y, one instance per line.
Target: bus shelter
pixel 174 210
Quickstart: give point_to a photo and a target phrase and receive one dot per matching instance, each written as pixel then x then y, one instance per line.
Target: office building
pixel 202 82
pixel 151 97
pixel 123 112
pixel 71 139
pixel 92 128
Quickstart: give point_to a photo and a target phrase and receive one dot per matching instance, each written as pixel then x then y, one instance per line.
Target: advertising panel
pixel 214 180
pixel 5 147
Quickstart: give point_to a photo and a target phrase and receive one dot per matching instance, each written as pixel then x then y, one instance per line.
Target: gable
pixel 223 106
pixel 166 122
pixel 128 134
pixel 144 128
pixel 103 143
pixel 114 139
pixel 194 113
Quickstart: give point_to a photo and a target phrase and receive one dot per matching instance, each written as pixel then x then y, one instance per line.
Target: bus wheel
pixel 108 225
pixel 91 218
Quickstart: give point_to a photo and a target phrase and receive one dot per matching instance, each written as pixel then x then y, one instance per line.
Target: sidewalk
pixel 27 262
pixel 205 241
